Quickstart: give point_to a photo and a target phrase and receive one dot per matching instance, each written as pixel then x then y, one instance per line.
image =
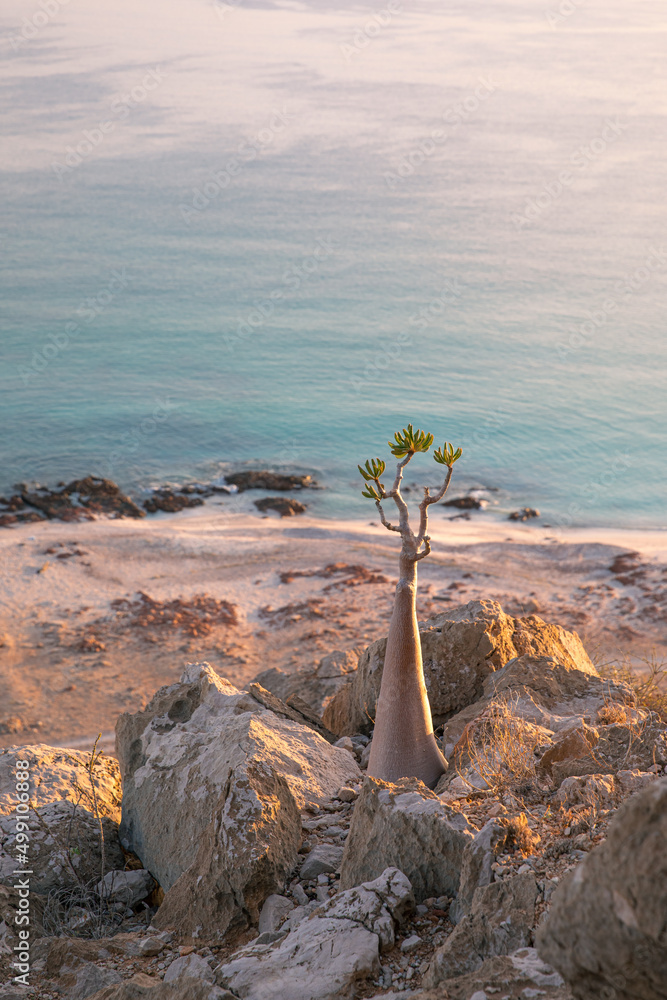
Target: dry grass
pixel 76 908
pixel 501 748
pixel 520 837
pixel 646 675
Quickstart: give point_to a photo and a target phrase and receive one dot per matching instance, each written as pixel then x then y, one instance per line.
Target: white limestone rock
pixel 66 834
pixel 339 943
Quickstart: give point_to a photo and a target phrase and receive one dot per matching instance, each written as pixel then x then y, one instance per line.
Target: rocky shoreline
pixel 85 499
pixel 92 496
pixel 249 857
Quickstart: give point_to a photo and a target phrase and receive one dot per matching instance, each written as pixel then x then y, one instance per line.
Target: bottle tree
pixel 403 742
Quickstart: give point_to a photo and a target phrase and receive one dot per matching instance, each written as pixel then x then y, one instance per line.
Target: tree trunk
pixel 403 743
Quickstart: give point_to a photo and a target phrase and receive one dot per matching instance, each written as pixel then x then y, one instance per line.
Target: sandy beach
pixel 79 645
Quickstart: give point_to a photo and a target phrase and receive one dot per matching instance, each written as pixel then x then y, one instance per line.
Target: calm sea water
pixel 255 233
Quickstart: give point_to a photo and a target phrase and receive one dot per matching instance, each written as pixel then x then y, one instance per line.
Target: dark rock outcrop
pixel 285 506
pixel 264 480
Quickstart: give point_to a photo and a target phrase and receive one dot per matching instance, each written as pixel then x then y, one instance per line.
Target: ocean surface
pixel 269 234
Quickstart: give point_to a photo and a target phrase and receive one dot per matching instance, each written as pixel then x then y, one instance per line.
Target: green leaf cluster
pixel 406 442
pixel 446 455
pixel 409 441
pixel 371 473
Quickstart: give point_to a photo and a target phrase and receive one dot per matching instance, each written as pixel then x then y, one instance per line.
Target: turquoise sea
pixel 253 233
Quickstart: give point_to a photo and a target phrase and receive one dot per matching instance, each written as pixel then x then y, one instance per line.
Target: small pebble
pixel 346 794
pixel 410 943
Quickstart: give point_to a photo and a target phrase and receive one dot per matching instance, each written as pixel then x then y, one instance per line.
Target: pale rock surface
pixel 405 824
pixel 519 976
pixel 589 789
pixel 547 693
pixel 126 887
pixel 189 967
pixel 476 871
pixel 323 858
pixel 60 788
pixel 183 989
pixel 206 758
pixel 339 943
pixel 86 980
pixel 179 755
pixel 605 932
pixel 274 911
pixel 630 781
pixel 501 920
pixel 244 855
pixel 460 649
pixel 315 687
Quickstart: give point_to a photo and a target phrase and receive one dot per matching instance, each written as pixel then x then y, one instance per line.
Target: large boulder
pixel 500 921
pixel 405 824
pixel 339 943
pixel 545 691
pixel 460 649
pixel 316 687
pixel 243 856
pixel 67 802
pixel 606 930
pixel 206 758
pixel 521 974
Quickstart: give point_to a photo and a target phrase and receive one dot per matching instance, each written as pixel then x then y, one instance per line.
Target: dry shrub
pixel 520 837
pixel 646 675
pixel 612 714
pixel 196 616
pixel 352 575
pixel 501 748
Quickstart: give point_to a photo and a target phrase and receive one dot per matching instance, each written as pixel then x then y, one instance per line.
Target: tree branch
pixel 384 520
pixel 395 492
pixel 427 549
pixel 426 503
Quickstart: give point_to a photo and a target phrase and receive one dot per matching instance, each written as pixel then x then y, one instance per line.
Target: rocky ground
pixel 95 615
pixel 247 854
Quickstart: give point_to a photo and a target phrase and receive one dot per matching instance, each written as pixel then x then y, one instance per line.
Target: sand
pixel 70 662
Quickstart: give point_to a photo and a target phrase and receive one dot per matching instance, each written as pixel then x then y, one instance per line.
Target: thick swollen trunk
pixel 403 743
